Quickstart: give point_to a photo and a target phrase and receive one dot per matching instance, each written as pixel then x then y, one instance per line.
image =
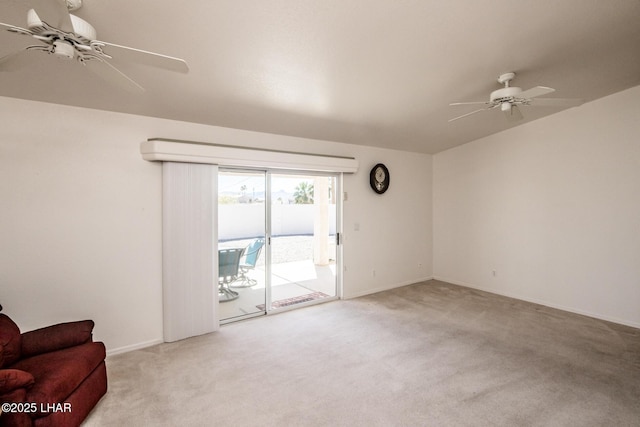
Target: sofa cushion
pixel 10 341
pixel 59 373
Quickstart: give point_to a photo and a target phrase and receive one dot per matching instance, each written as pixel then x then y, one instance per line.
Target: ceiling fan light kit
pixel 510 97
pixel 63 49
pixel 68 37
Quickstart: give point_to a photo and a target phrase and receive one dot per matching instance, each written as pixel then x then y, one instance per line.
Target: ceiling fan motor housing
pixel 74 4
pixel 504 94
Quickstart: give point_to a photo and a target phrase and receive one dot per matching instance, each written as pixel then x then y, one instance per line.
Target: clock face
pixel 379 178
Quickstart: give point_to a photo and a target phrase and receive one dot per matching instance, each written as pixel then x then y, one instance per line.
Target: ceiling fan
pixel 68 37
pixel 509 98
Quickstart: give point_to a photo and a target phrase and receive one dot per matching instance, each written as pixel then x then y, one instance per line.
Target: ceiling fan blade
pixel 14 61
pixel 14 29
pixel 469 103
pixel 124 53
pixel 535 91
pixel 111 74
pixel 556 102
pixel 513 114
pixel 468 114
pixel 54 13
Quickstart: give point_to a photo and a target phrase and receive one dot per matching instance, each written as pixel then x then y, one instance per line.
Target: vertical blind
pixel 189 273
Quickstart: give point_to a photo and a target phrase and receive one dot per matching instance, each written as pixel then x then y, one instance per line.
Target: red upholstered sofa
pixel 52 376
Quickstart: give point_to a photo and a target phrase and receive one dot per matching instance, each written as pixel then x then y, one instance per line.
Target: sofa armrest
pixel 11 418
pixel 56 337
pixel 12 379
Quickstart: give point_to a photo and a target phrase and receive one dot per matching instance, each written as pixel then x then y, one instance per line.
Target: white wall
pixel 552 206
pixel 385 237
pixel 80 223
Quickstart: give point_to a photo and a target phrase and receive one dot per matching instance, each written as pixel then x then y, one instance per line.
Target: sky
pixel 232 182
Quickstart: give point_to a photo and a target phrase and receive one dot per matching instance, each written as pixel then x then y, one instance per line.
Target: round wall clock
pixel 379 178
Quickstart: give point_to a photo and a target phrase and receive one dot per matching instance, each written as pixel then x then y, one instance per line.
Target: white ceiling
pixel 371 72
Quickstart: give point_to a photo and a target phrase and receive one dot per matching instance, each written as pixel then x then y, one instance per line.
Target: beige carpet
pixel 430 354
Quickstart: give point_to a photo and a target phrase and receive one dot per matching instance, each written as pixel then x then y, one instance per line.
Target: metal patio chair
pixel 228 268
pixel 248 263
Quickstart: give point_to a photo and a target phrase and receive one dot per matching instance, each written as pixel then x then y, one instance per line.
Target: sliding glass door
pixel 286 227
pixel 241 243
pixel 303 239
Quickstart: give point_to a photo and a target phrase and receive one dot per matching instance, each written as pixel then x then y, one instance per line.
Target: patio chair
pixel 247 263
pixel 228 267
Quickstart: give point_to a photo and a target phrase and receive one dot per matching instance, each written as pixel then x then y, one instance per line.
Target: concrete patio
pixel 293 274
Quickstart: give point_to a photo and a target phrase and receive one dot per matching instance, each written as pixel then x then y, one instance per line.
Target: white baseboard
pixel 386 288
pixel 132 347
pixel 542 302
